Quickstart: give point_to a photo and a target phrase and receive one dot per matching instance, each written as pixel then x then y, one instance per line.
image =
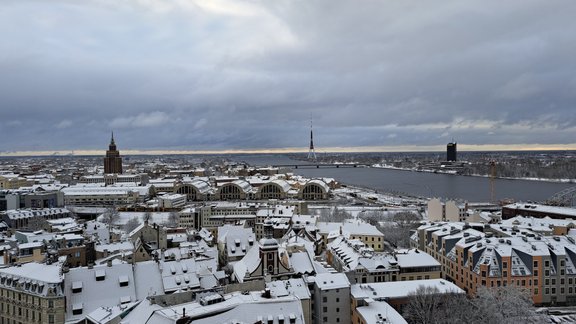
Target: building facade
pixel 112 161
pixel 451 152
pixel 544 265
pixel 32 293
pixel 332 298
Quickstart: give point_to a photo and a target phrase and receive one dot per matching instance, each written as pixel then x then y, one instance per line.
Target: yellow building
pixel 32 293
pixel 357 230
pixel 12 181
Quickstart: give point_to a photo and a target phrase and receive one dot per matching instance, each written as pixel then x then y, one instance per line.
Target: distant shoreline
pixel 448 172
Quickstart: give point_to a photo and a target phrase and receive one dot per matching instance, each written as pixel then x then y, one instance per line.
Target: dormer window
pixel 100 275
pixel 123 281
pixel 77 309
pixel 76 287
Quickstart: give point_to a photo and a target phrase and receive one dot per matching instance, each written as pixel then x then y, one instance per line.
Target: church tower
pixel 269 251
pixel 112 161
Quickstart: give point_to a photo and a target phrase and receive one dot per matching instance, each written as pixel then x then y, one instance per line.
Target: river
pixel 476 189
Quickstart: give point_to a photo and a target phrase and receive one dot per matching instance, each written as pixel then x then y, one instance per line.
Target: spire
pixel 112 139
pixel 311 153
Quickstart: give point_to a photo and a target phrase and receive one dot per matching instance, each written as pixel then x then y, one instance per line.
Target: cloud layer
pixel 232 74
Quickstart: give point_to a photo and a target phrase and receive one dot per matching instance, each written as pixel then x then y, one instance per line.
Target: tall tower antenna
pixel 311 153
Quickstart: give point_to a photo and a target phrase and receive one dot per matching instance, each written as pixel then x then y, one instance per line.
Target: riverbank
pixel 454 172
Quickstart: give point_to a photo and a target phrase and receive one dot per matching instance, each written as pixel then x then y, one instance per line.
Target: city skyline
pixel 231 76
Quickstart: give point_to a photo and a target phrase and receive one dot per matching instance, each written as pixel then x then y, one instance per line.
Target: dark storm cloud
pixel 233 74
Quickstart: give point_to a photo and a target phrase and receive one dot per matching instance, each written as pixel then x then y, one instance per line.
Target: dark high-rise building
pixel 112 161
pixel 451 152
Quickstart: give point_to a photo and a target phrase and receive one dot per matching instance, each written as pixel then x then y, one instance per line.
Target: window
pixel 325 309
pixel 546 263
pixel 76 287
pixel 324 299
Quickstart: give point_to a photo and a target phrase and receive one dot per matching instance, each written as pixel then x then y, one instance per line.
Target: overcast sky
pixel 225 75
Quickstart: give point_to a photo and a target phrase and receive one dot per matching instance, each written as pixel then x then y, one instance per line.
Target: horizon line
pixel 336 149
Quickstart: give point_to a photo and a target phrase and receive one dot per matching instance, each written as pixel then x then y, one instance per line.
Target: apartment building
pixel 13 181
pixel 171 201
pixel 21 218
pixel 545 265
pixel 102 196
pixel 331 298
pixel 450 210
pixel 356 230
pixel 32 293
pixel 112 178
pixel 537 211
pixel 362 265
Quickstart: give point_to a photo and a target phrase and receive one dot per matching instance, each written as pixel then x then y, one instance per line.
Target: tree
pixel 491 305
pixel 110 216
pixel 505 304
pixel 131 224
pixel 398 230
pixel 147 216
pixel 424 305
pixel 172 219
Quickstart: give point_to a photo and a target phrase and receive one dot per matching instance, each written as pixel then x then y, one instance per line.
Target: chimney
pixel 266 293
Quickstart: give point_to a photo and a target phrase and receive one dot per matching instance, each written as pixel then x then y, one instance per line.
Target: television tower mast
pixel 311 153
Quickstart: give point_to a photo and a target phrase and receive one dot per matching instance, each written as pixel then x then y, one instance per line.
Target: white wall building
pixel 331 298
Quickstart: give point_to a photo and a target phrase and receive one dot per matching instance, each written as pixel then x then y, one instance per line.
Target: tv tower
pixel 311 153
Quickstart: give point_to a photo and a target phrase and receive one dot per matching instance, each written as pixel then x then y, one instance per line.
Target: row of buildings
pixel 533 253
